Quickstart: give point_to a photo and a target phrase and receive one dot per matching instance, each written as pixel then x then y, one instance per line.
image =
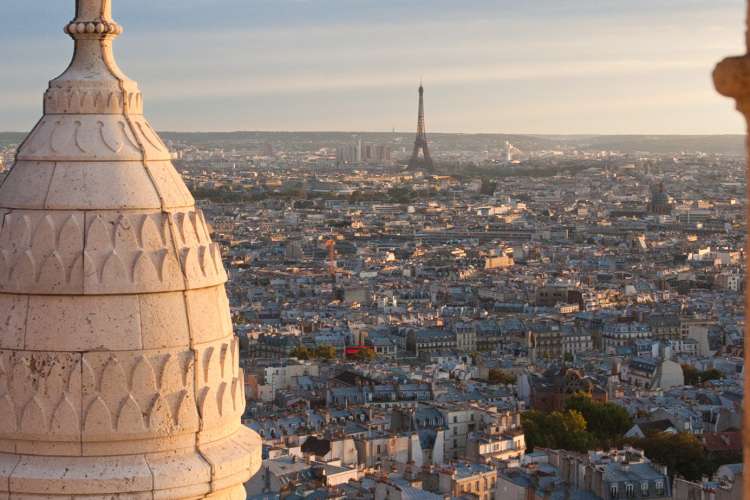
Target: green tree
pixel 573 435
pixel 533 423
pixel 497 376
pixel 365 355
pixel 607 422
pixel 325 352
pixel 693 376
pixel 488 187
pixel 712 374
pixel 559 430
pixel 401 195
pixel 301 352
pixel 682 453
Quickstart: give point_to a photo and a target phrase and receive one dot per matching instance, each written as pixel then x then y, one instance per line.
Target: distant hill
pixel 726 144
pixel 658 144
pixel 7 138
pixel 301 141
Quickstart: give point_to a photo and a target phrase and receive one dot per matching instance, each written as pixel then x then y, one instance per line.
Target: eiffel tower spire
pixel 420 144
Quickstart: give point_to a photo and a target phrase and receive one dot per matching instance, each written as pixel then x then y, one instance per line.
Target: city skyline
pixel 487 66
pixel 377 315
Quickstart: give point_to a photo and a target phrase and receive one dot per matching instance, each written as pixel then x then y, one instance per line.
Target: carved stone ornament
pixel 119 370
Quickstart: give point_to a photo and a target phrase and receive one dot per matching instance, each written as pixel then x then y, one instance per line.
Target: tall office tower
pixel 420 144
pixel 119 373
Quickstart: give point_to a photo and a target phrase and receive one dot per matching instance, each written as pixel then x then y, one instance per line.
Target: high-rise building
pixel 119 373
pixel 362 152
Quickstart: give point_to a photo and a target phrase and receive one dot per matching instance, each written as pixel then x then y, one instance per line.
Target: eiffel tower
pixel 425 163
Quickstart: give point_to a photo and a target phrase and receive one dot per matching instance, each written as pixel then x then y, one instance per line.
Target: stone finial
pixel 93 83
pixel 119 369
pixel 93 19
pixel 732 75
pixel 732 79
pixel 88 10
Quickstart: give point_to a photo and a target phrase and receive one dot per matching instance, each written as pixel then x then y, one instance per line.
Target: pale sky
pixel 505 66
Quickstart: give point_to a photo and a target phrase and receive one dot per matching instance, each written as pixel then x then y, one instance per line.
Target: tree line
pixel 586 425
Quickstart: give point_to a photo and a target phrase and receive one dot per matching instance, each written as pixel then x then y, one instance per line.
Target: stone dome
pixel 119 370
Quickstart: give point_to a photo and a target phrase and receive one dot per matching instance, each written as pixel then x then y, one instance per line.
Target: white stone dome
pixel 119 370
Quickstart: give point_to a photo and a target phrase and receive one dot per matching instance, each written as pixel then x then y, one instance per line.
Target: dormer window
pixel 659 486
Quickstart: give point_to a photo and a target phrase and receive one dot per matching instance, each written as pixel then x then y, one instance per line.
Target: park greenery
pixel 584 425
pixel 323 353
pixel 233 194
pixel 497 376
pixel 365 355
pixel 328 353
pixel 565 430
pixel 587 425
pixel 693 376
pixel 682 453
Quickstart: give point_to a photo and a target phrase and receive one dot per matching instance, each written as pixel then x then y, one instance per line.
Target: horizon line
pixel 397 132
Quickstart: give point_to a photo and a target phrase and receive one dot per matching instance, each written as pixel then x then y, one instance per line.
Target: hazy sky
pixel 515 66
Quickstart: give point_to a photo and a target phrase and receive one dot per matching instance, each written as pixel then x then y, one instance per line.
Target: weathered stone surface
pixel 172 191
pixel 164 320
pixel 119 374
pixel 208 312
pixel 13 311
pixel 83 323
pixel 82 475
pixel 102 186
pixel 180 475
pixel 27 185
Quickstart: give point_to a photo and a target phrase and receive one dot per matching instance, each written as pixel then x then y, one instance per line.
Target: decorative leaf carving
pixel 113 270
pixel 9 423
pixel 130 416
pixel 160 416
pixel 98 418
pixel 112 139
pixel 113 379
pixel 143 378
pixel 65 417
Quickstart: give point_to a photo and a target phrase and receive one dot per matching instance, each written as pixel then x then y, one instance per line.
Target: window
pixel 659 486
pixel 613 491
pixel 455 420
pixel 644 488
pixel 629 490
